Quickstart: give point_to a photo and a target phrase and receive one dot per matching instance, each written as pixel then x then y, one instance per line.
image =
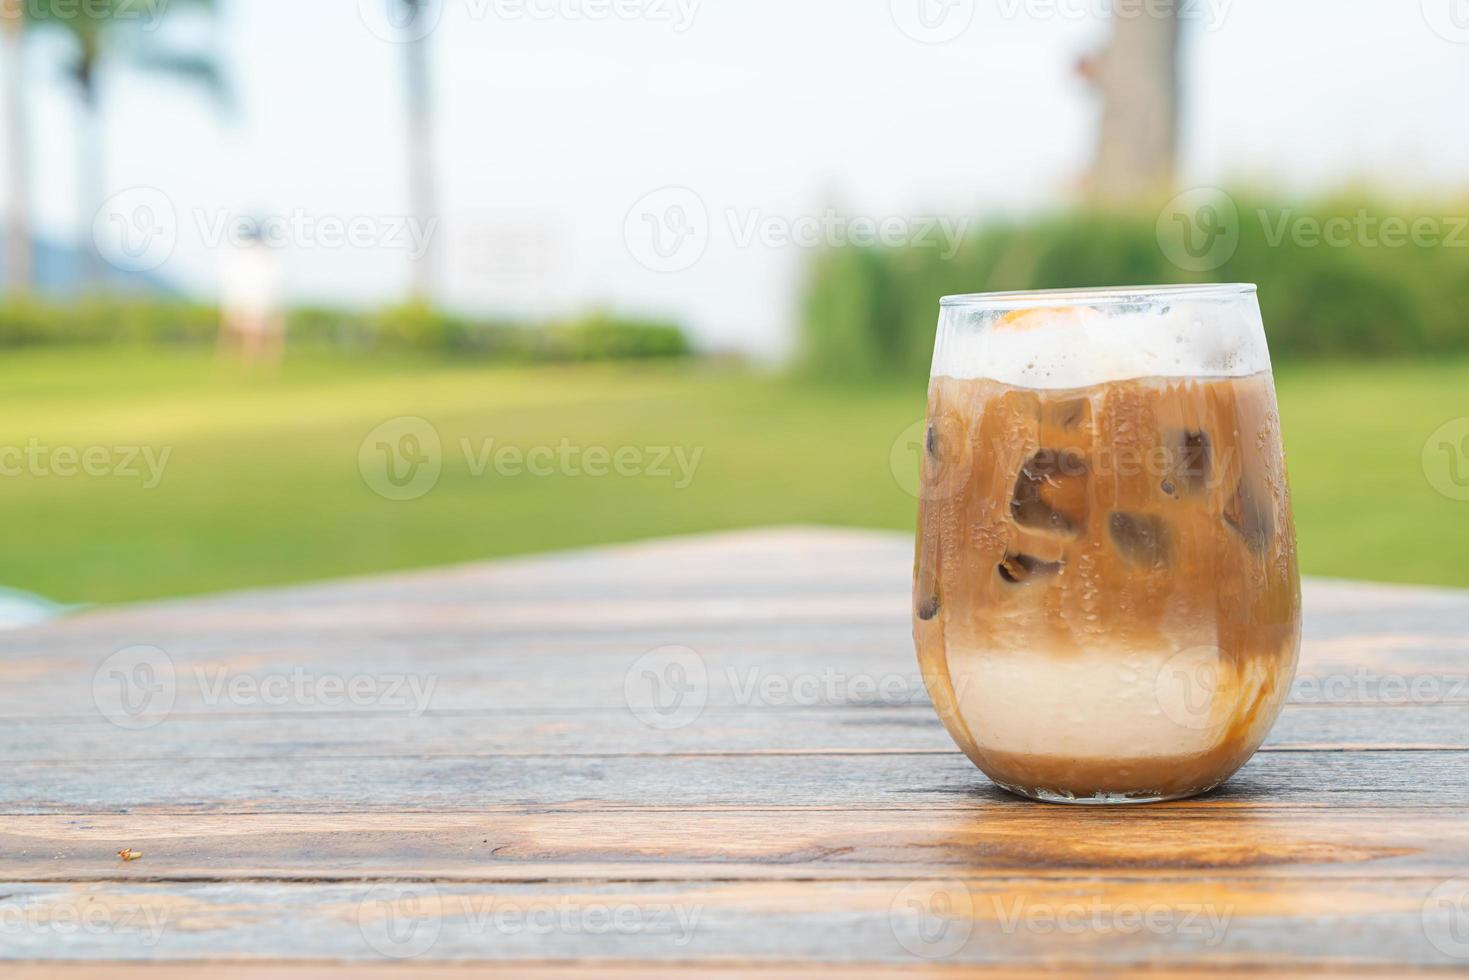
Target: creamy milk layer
pixel 1073 345
pixel 1101 704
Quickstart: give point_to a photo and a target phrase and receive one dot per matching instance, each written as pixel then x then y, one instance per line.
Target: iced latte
pixel 1106 599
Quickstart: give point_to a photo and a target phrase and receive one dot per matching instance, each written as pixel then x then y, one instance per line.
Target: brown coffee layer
pixel 1168 777
pixel 1148 514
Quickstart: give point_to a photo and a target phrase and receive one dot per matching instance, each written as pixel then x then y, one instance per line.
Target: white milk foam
pixel 1101 704
pixel 1064 346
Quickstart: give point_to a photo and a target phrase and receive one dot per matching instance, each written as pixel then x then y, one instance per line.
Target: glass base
pixel 1100 799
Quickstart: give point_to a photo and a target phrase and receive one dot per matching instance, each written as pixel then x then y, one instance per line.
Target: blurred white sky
pixel 550 130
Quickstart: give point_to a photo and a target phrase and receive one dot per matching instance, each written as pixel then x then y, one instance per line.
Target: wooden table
pixel 442 767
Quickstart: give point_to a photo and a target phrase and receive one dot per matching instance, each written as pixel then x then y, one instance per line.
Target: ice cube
pixel 1142 539
pixel 1073 413
pixel 1051 492
pixel 1017 568
pixel 1251 515
pixel 1192 458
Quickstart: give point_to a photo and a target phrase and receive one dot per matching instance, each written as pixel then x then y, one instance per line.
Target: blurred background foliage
pixel 258 404
pixel 104 320
pixel 871 311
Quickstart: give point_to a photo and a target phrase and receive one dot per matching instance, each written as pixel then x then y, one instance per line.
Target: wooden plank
pixel 764 970
pixel 818 730
pixel 1234 922
pixel 1394 779
pixel 667 845
pixel 339 675
pixel 800 830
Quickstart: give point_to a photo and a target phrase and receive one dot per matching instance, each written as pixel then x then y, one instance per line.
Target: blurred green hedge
pixel 871 311
pixel 116 320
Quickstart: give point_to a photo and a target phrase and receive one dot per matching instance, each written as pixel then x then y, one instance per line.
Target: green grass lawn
pixel 262 482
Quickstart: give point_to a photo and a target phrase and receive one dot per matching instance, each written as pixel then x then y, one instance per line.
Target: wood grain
pixel 1018 921
pixel 816 730
pixel 1428 780
pixel 681 844
pixel 812 813
pixel 765 970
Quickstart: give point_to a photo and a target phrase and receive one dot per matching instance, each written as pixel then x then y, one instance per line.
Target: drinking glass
pixel 1106 599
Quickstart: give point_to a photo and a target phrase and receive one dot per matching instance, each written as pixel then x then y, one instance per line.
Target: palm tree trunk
pixel 422 190
pixel 18 259
pixel 91 174
pixel 1138 79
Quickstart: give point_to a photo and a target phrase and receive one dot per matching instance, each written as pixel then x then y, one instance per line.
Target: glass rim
pixel 1096 296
